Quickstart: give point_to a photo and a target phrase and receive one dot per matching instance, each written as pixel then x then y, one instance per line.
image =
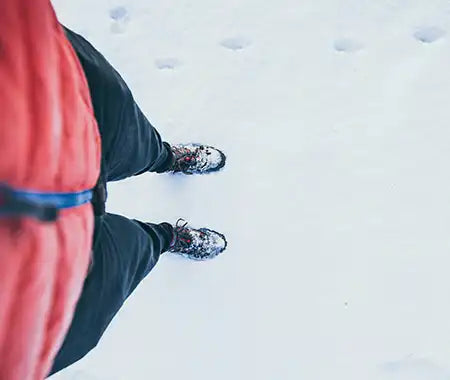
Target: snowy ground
pixel 336 199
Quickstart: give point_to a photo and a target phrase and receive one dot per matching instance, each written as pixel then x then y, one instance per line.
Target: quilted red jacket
pixel 49 145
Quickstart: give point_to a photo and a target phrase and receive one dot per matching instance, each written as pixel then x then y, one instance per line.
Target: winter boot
pixel 196 244
pixel 196 159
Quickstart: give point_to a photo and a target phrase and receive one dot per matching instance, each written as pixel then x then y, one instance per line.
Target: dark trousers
pixel 124 250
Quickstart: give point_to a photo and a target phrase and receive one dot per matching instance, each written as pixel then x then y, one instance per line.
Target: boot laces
pixel 187 157
pixel 183 237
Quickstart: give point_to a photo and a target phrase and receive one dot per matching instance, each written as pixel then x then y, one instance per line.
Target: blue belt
pixel 40 205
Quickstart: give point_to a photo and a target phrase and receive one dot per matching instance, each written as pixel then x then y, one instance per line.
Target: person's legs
pixel 125 251
pixel 130 144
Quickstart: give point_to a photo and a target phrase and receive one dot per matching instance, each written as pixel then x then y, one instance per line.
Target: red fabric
pixel 49 141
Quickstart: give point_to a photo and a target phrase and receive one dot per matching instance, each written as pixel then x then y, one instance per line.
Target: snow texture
pixel 235 43
pixel 120 18
pixel 335 197
pixel 167 63
pixel 347 45
pixel 429 34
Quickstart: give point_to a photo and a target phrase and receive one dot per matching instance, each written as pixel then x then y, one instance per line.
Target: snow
pixel 335 198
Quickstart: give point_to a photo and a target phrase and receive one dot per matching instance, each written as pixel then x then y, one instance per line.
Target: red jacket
pixel 49 142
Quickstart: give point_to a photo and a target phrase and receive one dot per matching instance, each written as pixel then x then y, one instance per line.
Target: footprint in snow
pixel 167 63
pixel 347 45
pixel 429 34
pixel 235 43
pixel 118 13
pixel 119 19
pixel 412 368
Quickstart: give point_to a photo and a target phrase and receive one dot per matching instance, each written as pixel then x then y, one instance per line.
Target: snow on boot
pixel 196 244
pixel 196 159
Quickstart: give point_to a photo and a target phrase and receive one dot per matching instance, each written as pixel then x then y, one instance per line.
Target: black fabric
pixel 130 144
pixel 99 196
pixel 124 250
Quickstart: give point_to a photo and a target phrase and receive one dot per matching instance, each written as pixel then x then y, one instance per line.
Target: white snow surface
pixel 335 199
